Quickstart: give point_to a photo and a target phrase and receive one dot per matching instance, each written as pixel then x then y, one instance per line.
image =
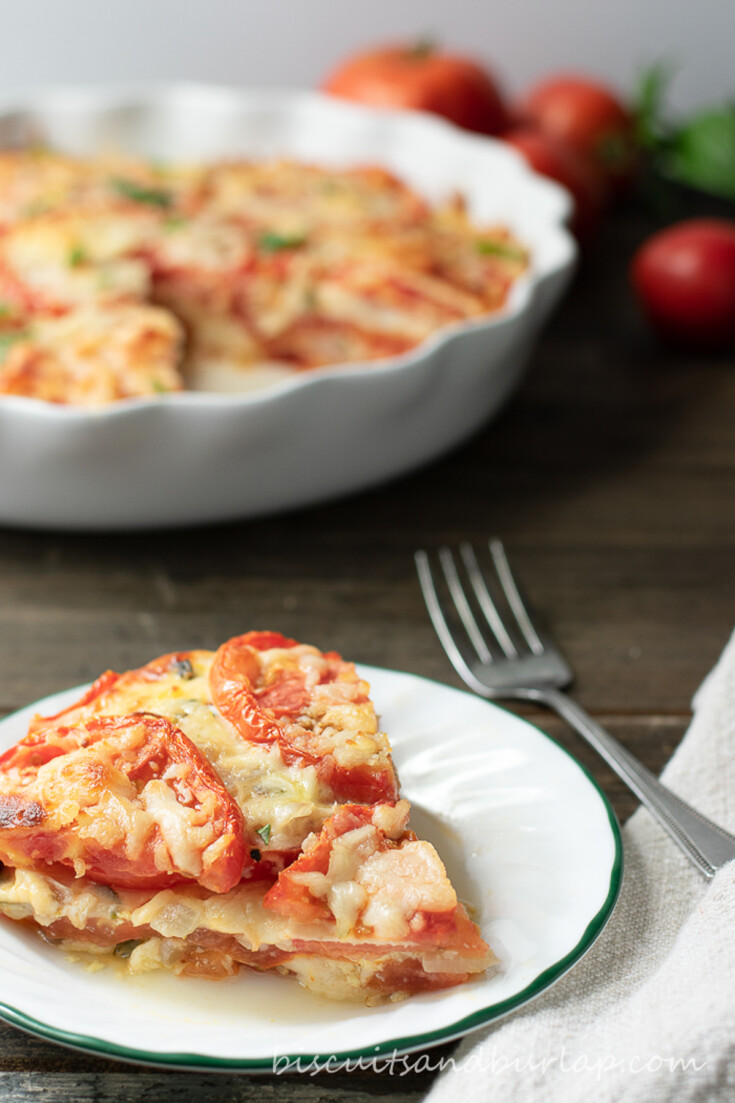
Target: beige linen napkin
pixel 649 1014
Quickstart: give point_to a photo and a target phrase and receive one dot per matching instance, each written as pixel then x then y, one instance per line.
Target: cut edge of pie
pixel 213 810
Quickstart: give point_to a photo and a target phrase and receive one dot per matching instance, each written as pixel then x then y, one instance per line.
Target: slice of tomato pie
pixel 217 809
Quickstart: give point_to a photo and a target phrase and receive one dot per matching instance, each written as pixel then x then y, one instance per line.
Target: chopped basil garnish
pixel 271 242
pixel 500 249
pixel 125 949
pixel 183 668
pixel 77 256
pixel 7 340
pixel 139 193
pixel 158 386
pixel 265 833
pixel 35 208
pixel 174 222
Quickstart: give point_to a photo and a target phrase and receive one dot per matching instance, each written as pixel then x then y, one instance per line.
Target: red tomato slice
pixel 234 671
pixel 127 801
pixel 289 896
pixel 98 689
pixel 264 641
pixel 105 694
pixel 267 705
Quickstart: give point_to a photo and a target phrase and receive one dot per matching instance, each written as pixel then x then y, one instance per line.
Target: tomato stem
pixel 422 48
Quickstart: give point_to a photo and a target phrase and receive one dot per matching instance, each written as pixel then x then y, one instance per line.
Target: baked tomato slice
pixel 115 694
pixel 127 801
pixel 310 704
pixel 297 897
pixel 367 877
pixel 86 705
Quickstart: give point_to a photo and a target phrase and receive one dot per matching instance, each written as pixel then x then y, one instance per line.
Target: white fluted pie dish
pixel 197 457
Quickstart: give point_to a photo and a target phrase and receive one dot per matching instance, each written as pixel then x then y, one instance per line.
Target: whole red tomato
pixel 423 78
pixel 684 278
pixel 589 117
pixel 580 176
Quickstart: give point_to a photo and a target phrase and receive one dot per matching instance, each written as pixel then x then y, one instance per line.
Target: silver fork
pixel 525 664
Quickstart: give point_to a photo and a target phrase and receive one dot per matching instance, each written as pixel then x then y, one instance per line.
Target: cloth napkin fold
pixel 649 1014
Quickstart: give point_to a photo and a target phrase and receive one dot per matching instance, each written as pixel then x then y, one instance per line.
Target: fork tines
pixel 459 591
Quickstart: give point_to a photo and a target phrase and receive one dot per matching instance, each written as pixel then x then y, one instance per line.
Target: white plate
pixel 529 841
pixel 198 457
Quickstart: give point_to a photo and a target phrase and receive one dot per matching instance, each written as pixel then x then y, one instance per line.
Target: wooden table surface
pixel 610 476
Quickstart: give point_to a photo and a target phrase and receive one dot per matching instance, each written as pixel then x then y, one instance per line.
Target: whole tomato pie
pixel 214 810
pixel 119 278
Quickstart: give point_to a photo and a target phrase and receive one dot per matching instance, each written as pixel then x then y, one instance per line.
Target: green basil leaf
pixel 125 949
pixel 271 242
pixel 139 193
pixel 703 152
pixel 500 249
pixel 174 222
pixel 265 833
pixel 7 340
pixel 77 256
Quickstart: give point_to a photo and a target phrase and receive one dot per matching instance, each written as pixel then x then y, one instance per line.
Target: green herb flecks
pixel 174 222
pixel 35 208
pixel 183 668
pixel 7 340
pixel 77 256
pixel 265 833
pixel 125 949
pixel 500 249
pixel 271 242
pixel 159 387
pixel 140 193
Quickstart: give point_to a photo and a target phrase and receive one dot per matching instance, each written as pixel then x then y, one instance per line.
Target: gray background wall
pixel 294 42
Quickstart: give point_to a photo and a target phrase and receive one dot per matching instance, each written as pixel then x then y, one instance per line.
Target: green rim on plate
pixel 394 1046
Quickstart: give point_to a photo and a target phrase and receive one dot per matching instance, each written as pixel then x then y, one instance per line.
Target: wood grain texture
pixel 172 1087
pixel 611 478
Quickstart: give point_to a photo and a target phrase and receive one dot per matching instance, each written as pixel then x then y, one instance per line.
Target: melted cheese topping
pixel 91 806
pixel 401 884
pixel 95 356
pixel 287 798
pixel 172 913
pixel 378 888
pixel 70 258
pixel 25 894
pixel 275 264
pixel 339 719
pixel 381 891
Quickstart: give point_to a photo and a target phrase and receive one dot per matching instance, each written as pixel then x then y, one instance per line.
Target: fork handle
pixel 706 845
